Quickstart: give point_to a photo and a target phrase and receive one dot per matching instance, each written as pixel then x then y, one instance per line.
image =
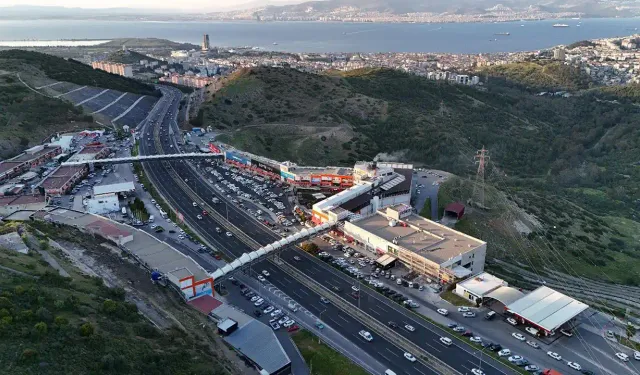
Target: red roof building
pixel 454 209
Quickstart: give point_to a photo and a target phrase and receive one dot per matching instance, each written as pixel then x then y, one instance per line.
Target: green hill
pixel 28 117
pixel 72 71
pixel 50 324
pixel 579 151
pixel 541 76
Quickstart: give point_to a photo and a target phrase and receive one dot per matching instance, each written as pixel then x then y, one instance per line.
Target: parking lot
pixel 267 201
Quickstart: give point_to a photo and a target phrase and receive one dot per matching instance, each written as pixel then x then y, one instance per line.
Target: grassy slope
pixel 122 341
pixel 23 121
pixel 321 359
pixel 542 76
pixel 577 152
pixel 72 71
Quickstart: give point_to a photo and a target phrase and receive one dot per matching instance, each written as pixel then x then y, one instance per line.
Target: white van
pixel 389 372
pixel 151 219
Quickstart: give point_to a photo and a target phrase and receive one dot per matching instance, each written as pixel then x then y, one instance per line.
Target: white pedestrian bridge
pixel 132 159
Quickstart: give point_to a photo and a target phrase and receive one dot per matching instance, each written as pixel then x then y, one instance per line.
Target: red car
pixel 217 256
pixel 293 328
pixel 205 212
pixel 355 295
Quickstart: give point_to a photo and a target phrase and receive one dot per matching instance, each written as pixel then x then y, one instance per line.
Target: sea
pixel 321 37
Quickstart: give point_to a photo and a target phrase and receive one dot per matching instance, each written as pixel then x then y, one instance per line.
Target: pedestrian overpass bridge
pixel 145 158
pixel 247 258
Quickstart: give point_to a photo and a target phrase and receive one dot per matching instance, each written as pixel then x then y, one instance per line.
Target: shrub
pixel 87 330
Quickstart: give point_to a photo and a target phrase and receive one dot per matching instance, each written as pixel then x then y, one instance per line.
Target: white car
pixel 623 357
pixel 443 312
pixel 199 217
pixel 288 323
pixel 463 309
pixel 445 340
pixel 533 344
pixel 515 358
pixel 518 336
pixel 555 356
pixel 259 302
pixel 267 310
pixel 409 328
pixel 476 339
pixel 469 314
pixel 512 321
pixel 195 204
pixel 229 234
pixel 255 298
pixel 266 273
pixel 575 366
pixel 355 288
pixel 477 371
pixel 365 335
pixel 275 312
pixel 504 352
pixel 261 278
pixel 410 357
pixel 636 355
pixel 153 226
pixel 531 368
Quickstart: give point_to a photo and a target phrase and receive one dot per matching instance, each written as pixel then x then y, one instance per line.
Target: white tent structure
pixel 247 258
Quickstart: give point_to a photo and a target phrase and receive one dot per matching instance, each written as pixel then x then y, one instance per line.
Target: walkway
pixel 110 104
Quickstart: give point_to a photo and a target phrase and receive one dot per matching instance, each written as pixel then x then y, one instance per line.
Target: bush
pixel 87 330
pixel 61 321
pixel 40 329
pixel 28 355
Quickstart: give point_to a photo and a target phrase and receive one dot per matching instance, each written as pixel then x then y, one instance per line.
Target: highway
pixel 459 356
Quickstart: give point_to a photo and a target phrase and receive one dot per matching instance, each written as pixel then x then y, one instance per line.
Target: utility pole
pixel 481 158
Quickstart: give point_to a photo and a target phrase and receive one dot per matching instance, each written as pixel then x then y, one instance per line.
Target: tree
pixel 310 247
pixel 60 321
pixel 87 329
pixel 630 331
pixel 40 329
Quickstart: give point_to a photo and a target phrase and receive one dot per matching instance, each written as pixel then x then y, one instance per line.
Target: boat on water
pixel 507 34
pixel 560 25
pixel 275 44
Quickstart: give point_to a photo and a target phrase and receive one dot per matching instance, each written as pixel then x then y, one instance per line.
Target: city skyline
pixel 161 5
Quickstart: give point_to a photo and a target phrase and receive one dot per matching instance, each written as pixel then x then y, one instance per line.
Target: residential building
pixel 115 68
pixel 30 158
pixel 11 204
pixel 205 42
pixel 60 181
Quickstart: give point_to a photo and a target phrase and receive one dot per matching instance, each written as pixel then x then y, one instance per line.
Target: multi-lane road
pixel 459 356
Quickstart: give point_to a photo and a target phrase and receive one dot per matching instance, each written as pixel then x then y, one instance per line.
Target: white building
pixel 486 286
pixel 103 204
pixel 426 247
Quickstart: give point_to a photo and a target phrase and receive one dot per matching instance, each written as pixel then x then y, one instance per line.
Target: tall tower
pixel 481 158
pixel 205 42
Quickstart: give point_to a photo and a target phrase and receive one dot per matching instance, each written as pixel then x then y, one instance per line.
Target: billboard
pixel 287 175
pixel 315 180
pixel 265 167
pixel 237 158
pixel 192 289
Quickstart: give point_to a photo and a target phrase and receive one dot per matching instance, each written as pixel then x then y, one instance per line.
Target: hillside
pixel 573 152
pixel 62 325
pixel 541 76
pixel 71 71
pixel 129 57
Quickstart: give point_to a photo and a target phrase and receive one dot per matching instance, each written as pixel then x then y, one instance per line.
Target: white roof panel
pixel 547 308
pixel 113 188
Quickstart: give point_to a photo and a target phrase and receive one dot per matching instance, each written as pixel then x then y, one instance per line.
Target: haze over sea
pixel 336 37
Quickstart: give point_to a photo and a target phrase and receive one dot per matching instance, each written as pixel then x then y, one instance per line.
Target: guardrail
pixel 381 329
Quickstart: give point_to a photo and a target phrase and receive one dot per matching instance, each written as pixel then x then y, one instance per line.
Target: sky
pixel 148 4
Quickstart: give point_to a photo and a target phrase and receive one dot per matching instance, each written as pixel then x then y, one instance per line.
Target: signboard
pixel 287 175
pixel 315 180
pixel 237 158
pixel 192 289
pixel 214 149
pixel 265 167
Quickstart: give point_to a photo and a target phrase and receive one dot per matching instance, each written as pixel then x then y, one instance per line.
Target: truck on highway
pixel 215 200
pixel 549 371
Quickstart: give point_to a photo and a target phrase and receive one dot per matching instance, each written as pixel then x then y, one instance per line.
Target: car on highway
pixel 324 300
pixel 518 336
pixel 409 357
pixel 574 365
pixel 469 314
pixel 476 371
pixel 199 217
pixel 261 278
pixel 447 341
pixel 476 339
pixel 409 327
pixel 554 355
pixel 366 335
pixel 533 344
pixel 228 234
pixel 296 258
pixel 463 309
pixel 355 288
pixel 623 357
pixel 266 273
pixel 444 312
pixel 195 204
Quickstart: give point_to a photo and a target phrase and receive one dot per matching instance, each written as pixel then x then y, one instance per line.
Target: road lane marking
pixel 390 351
pixel 433 347
pixel 343 318
pixel 415 368
pixel 375 312
pixel 383 356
